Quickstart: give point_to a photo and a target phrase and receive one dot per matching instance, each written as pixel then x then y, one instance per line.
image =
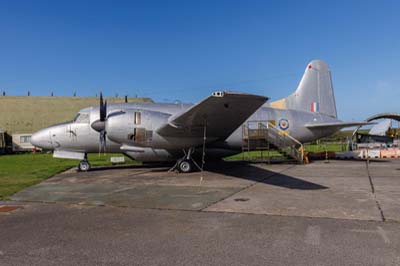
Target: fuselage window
pixel 82 118
pixel 137 118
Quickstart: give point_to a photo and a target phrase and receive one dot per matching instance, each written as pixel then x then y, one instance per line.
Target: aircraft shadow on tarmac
pixel 258 174
pixel 233 169
pixel 153 166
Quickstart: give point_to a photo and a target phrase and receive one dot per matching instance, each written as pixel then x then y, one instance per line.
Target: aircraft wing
pixel 222 113
pixel 338 125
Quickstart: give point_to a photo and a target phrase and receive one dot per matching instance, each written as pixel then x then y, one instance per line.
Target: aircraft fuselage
pixel 132 130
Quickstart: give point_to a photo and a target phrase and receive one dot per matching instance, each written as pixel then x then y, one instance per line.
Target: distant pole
pixel 74 93
pixel 29 93
pixel 4 93
pixel 52 94
pixel 126 98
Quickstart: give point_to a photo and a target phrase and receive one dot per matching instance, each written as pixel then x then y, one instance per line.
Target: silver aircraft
pixel 154 132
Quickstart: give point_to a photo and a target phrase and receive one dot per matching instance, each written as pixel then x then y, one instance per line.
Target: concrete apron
pixel 338 189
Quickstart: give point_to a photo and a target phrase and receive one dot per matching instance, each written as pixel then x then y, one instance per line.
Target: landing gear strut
pixel 84 165
pixel 186 163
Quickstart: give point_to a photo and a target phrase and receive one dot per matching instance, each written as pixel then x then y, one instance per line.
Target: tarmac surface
pixel 336 213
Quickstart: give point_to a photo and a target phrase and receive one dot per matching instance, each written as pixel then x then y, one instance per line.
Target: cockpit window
pixel 82 118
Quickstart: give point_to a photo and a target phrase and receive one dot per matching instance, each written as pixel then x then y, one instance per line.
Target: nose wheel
pixel 84 166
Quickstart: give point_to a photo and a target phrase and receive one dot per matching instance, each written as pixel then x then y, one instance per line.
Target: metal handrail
pixel 301 149
pixel 292 138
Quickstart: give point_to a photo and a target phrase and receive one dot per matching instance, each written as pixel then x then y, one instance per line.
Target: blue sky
pixel 184 50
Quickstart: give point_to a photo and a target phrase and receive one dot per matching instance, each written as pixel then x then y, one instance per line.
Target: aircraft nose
pixel 42 139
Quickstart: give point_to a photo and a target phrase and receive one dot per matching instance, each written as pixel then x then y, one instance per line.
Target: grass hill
pixel 27 114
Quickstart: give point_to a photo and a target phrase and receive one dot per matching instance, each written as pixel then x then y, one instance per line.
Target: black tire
pixel 84 166
pixel 185 166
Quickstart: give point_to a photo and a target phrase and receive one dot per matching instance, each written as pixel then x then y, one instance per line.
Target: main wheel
pixel 84 166
pixel 185 166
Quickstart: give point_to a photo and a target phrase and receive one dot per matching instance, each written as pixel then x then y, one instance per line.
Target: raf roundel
pixel 283 124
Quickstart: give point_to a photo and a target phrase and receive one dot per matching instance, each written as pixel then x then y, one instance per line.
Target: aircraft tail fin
pixel 314 93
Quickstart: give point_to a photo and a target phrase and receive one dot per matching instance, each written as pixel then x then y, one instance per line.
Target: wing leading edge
pixel 221 113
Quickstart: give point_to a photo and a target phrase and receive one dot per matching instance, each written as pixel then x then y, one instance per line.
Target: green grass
pixel 325 147
pixel 23 170
pixel 256 155
pixel 253 155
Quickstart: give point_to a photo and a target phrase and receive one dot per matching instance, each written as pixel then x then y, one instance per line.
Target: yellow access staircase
pixel 265 136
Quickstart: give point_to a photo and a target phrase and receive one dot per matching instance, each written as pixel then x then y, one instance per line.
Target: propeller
pixel 100 125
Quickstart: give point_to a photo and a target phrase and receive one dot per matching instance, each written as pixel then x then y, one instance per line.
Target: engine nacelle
pixel 134 126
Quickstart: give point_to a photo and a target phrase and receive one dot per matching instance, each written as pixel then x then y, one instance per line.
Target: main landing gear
pixel 186 164
pixel 84 165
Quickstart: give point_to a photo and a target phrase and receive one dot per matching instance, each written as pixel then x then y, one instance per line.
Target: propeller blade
pixel 99 125
pixel 102 111
pixel 105 110
pixel 102 141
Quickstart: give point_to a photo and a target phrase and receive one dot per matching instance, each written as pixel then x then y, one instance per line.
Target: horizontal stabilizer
pixel 337 125
pixel 381 128
pixel 221 113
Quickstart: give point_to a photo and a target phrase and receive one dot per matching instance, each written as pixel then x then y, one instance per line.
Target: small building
pixel 5 142
pixel 22 143
pixel 2 141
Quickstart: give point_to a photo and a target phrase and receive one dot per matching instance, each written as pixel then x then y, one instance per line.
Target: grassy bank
pixel 40 112
pixel 23 170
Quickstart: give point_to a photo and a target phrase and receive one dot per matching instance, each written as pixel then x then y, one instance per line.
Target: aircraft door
pixel 70 131
pixel 78 129
pixel 51 138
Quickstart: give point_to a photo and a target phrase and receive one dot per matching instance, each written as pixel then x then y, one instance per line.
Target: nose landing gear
pixel 84 165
